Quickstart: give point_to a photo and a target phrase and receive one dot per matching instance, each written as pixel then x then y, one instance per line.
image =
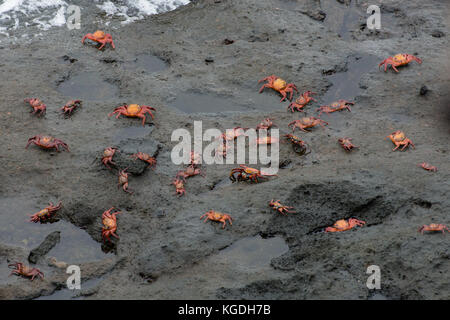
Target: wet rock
pixel 227 41
pixel 424 90
pixel 437 34
pixel 49 242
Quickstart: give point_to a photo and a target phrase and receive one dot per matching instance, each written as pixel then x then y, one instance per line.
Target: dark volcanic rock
pixel 49 242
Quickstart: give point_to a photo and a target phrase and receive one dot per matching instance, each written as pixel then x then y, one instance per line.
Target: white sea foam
pixel 45 14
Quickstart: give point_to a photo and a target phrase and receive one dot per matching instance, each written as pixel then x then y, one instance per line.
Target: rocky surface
pixel 213 52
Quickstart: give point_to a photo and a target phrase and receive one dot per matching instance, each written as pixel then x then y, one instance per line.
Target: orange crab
pixel 108 154
pixel 145 157
pixel 298 144
pixel 45 213
pixel 179 185
pixel 306 122
pixel 231 134
pixel 344 225
pixel 398 60
pixel 47 142
pixel 38 106
pixel 301 101
pixel 399 139
pixel 336 106
pixel 219 217
pixel 188 172
pixel 25 271
pixel 433 228
pixel 428 166
pixel 246 173
pixel 347 144
pixel 99 37
pixel 277 206
pixel 195 159
pixel 109 221
pixel 70 106
pixel 266 124
pixel 279 85
pixel 133 111
pixel 123 180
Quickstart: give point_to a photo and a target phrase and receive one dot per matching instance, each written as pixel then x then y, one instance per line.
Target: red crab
pixel 25 271
pixel 246 173
pixel 231 134
pixel 188 172
pixel 336 106
pixel 347 144
pixel 108 154
pixel 301 101
pixel 133 111
pixel 306 122
pixel 266 124
pixel 298 144
pixel 99 37
pixel 344 225
pixel 222 149
pixel 399 139
pixel 433 227
pixel 398 60
pixel 70 107
pixel 47 142
pixel 219 217
pixel 179 185
pixel 277 206
pixel 428 166
pixel 123 180
pixel 46 213
pixel 145 157
pixel 279 85
pixel 38 106
pixel 109 224
pixel 195 159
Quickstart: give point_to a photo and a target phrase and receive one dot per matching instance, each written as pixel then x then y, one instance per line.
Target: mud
pixel 179 63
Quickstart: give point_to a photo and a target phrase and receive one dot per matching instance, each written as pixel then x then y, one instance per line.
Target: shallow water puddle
pixel 88 86
pixel 253 252
pixel 190 102
pixel 345 85
pixel 148 63
pixel 75 246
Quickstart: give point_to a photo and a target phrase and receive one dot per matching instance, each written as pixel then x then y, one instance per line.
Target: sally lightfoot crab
pixel 266 124
pixel 433 228
pixel 280 86
pixel 109 224
pixel 399 139
pixel 344 225
pixel 306 122
pixel 38 106
pixel 70 107
pixel 301 101
pixel 99 37
pixel 47 142
pixel 123 180
pixel 217 216
pixel 22 270
pixel 277 206
pixel 133 111
pixel 428 166
pixel 179 186
pixel 336 106
pixel 398 60
pixel 146 158
pixel 298 144
pixel 347 144
pixel 46 213
pixel 108 154
pixel 245 173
